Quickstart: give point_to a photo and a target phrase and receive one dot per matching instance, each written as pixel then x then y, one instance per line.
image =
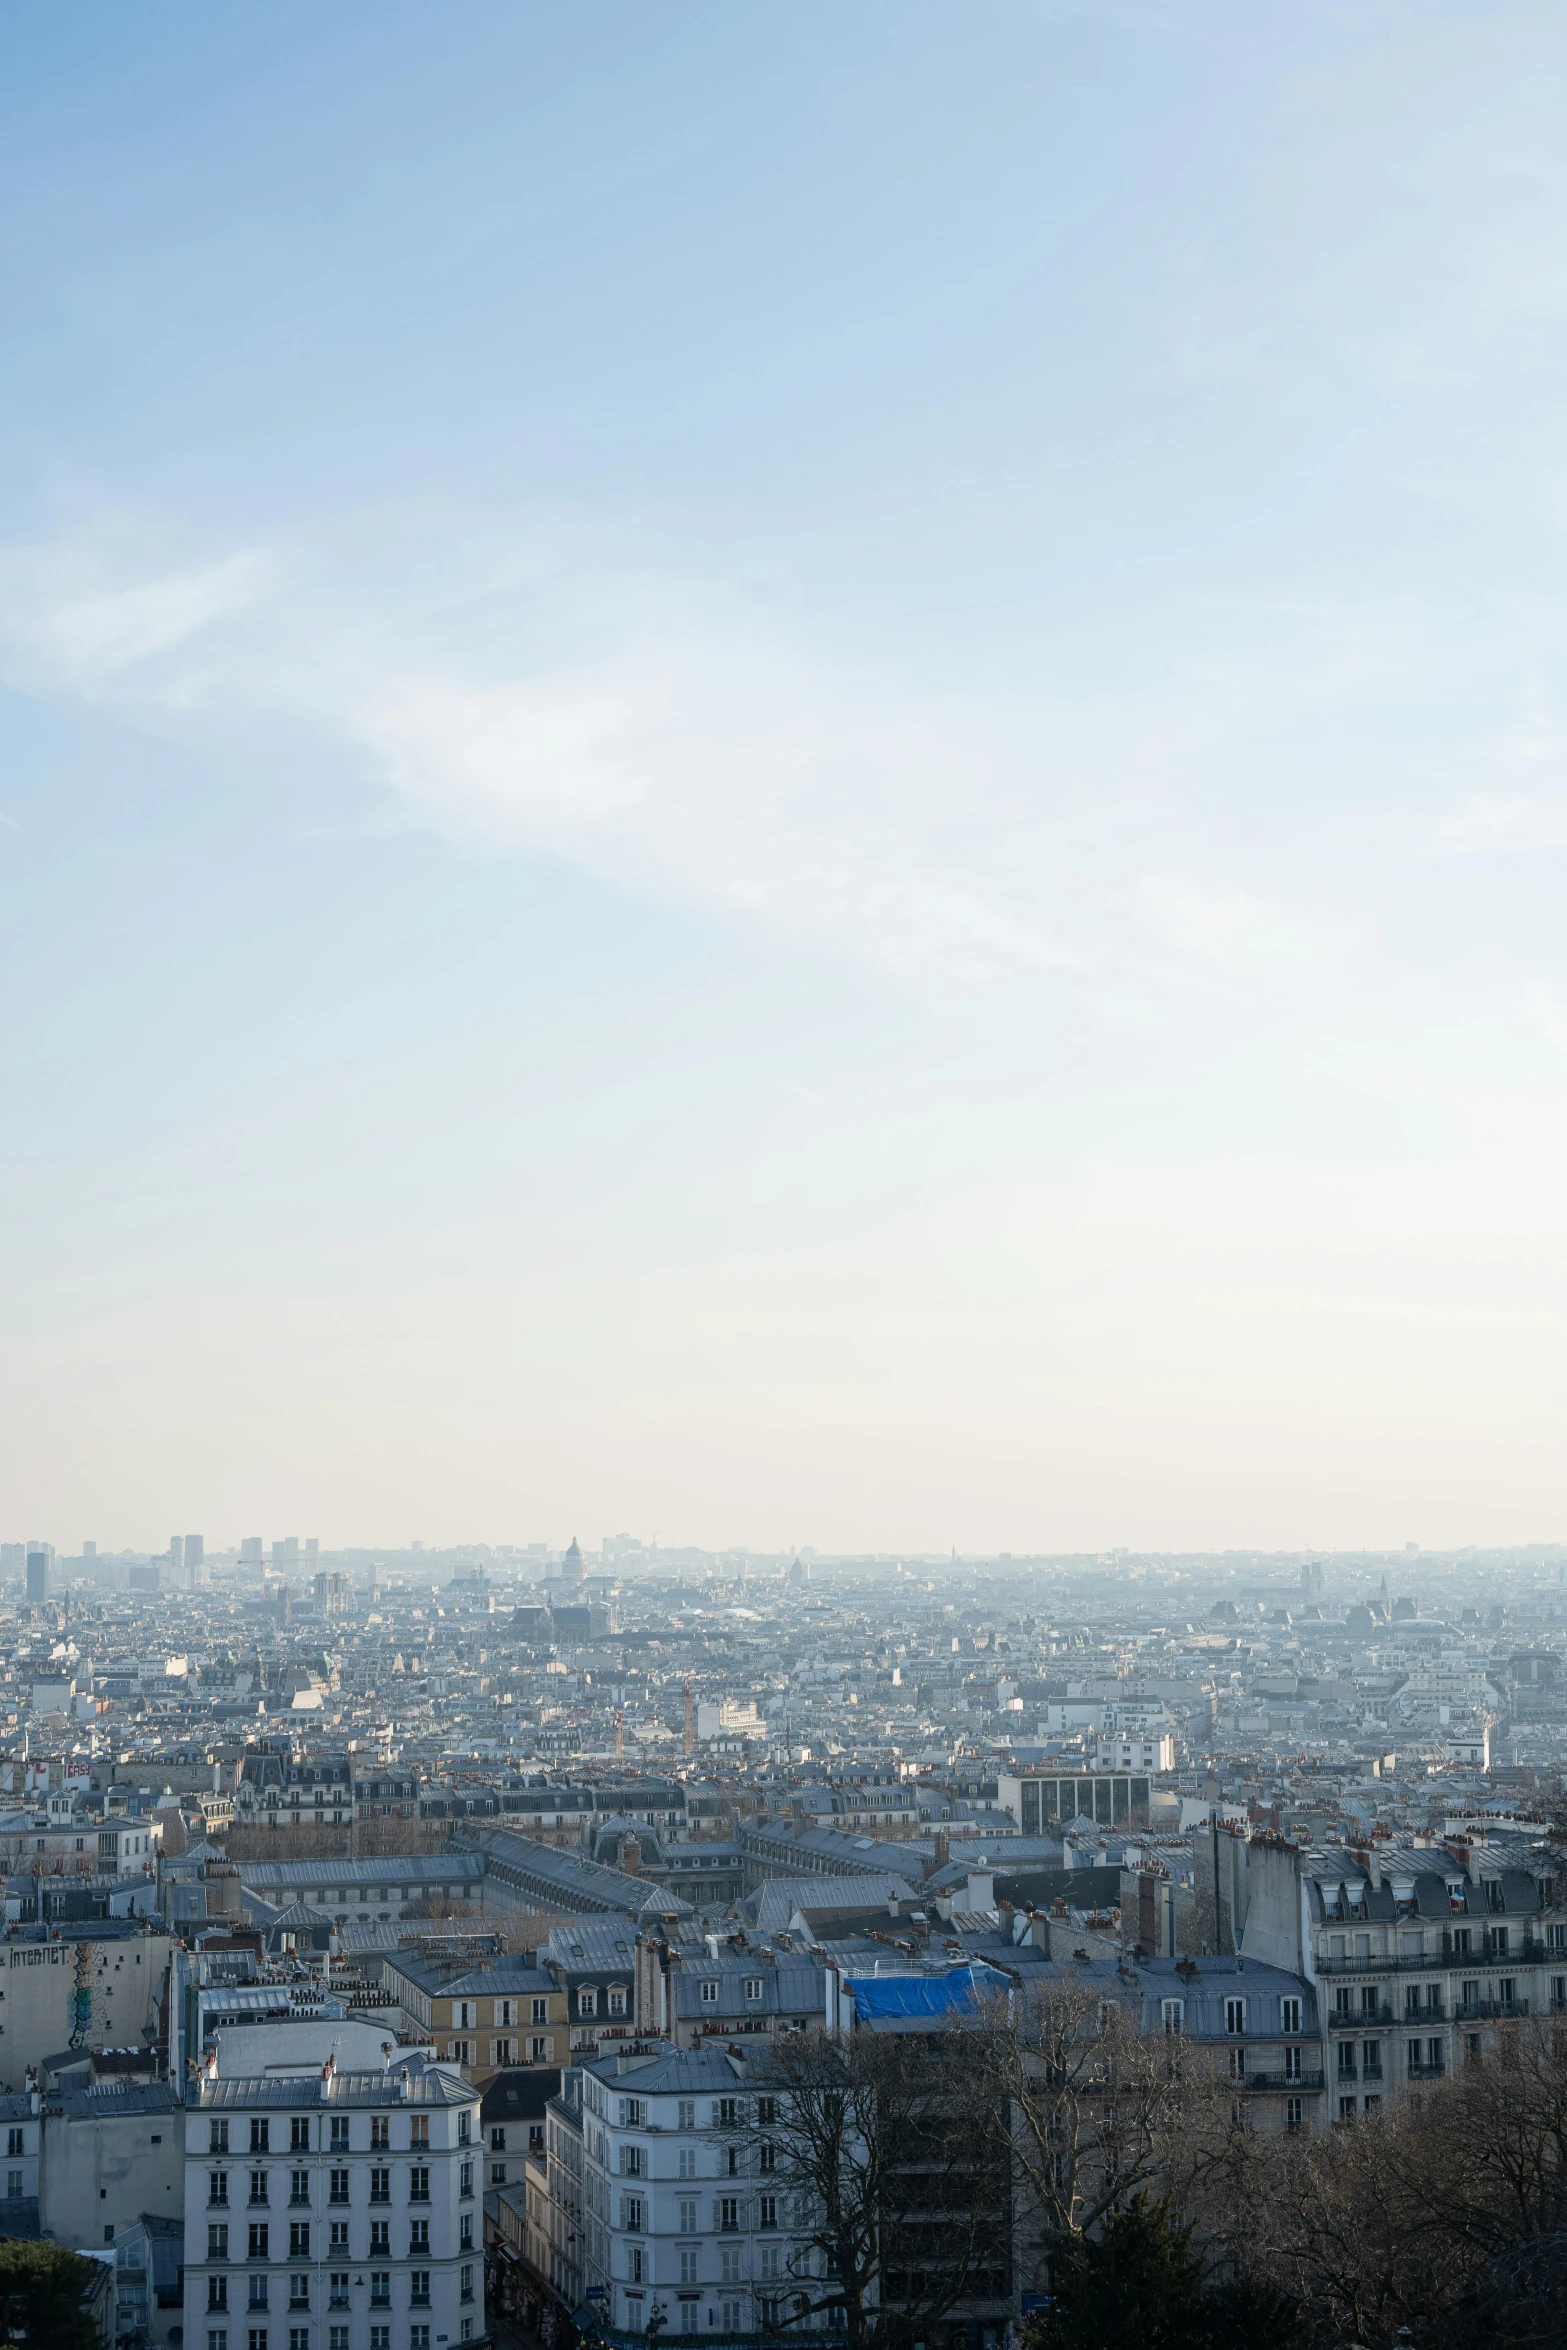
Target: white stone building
pixel 329 2210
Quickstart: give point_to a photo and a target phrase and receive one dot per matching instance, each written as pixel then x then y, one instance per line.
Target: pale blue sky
pixel 795 775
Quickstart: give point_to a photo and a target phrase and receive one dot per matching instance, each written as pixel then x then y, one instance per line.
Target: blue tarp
pixel 957 1993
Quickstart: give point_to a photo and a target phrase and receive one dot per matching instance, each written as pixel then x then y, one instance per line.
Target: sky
pixel 784 776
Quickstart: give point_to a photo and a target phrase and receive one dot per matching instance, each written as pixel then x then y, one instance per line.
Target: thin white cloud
pixel 1494 821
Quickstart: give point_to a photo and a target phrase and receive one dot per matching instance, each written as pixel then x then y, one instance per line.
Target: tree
pixel 898 2196
pixel 1138 2285
pixel 41 2290
pixel 1097 2111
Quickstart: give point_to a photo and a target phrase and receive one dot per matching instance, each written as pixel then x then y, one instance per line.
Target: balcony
pixel 1426 2072
pixel 1366 2020
pixel 1274 2083
pixel 1487 2010
pixel 1527 1953
pixel 1424 2015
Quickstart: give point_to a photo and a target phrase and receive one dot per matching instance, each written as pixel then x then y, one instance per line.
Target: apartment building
pixel 506 2012
pixel 329 2210
pixel 679 2216
pixel 1418 1957
pixel 19 2119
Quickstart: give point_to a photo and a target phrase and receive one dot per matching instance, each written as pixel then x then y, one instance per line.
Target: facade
pixel 19 2120
pixel 111 2152
pixel 506 2012
pixel 678 2216
pixel 360 1890
pixel 1112 1799
pixel 93 1985
pixel 333 2210
pixel 554 2196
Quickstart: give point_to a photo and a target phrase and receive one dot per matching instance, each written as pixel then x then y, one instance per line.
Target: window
pixel 617 2000
pixel 418 2239
pixel 1462 1943
pixel 465 2014
pixel 419 2183
pixel 465 2330
pixel 380 2288
pixel 218 2339
pixel 418 2288
pixel 1235 2015
pixel 339 2133
pixel 299 2186
pixel 1293 2064
pixel 465 2232
pixel 541 2011
pixel 631 2214
pixel 258 2338
pixel 299 2338
pixel 689 2262
pixel 539 2051
pixel 337 2186
pixel 1346 2060
pixel 419 2130
pixel 1346 2109
pixel 767 2211
pixel 497 2141
pixel 258 2185
pixel 729 2214
pixel 505 2011
pixel 632 2162
pixel 299 2239
pixel 380 2133
pixel 1341 2004
pixel 497 2174
pixel 767 2156
pixel 631 2113
pixel 726 2112
pixel 218 2138
pixel 465 2179
pixel 729 2264
pixel 710 1993
pixel 465 2283
pixel 587 2000
pixel 259 2127
pixel 688 2162
pixel 502 2051
pixel 380 2338
pixel 1414 2056
pixel 634 2262
pixel 1237 2064
pixel 337 2289
pixel 299 2290
pixel 1371 2060
pixel 1172 2014
pixel 1294 2112
pixel 464 2128
pixel 380 2186
pixel 217 2292
pixel 299 2134
pixel 258 2240
pixel 1433 2056
pixel 688 2215
pixel 340 2237
pixel 766 2110
pixel 418 2338
pixel 337 2338
pixel 753 1986
pixel 1289 2015
pixel 686 2114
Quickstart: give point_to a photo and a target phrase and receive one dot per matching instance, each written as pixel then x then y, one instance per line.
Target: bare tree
pixel 898 2203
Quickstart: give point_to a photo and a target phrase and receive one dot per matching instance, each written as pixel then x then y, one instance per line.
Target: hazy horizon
pixel 798 776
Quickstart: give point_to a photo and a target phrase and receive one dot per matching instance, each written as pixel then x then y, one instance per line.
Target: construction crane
pixel 690 1722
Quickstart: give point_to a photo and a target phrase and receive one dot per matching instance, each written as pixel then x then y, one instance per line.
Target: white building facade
pixel 681 2214
pixel 333 2210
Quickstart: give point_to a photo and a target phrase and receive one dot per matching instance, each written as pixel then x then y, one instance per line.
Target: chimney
pixel 631 1855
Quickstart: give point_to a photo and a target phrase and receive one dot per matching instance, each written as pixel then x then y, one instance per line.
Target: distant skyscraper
pixel 250 1551
pixel 39 1555
pixel 195 1555
pixel 286 1552
pixel 313 1548
pixel 89 1554
pixel 176 1554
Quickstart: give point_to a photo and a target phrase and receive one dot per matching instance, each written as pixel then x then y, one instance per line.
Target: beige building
pixel 508 2012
